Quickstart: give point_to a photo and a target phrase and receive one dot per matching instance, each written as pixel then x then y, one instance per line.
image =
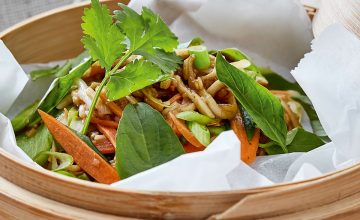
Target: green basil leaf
pixel 57 70
pixel 263 107
pixel 34 145
pixel 201 132
pixel 66 68
pixel 136 75
pixel 59 88
pixel 144 140
pixel 277 82
pixel 298 140
pixel 310 111
pixel 23 118
pixel 234 54
pixel 37 74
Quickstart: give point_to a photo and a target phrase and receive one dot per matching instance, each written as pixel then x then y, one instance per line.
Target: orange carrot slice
pixel 110 133
pixel 106 123
pixel 248 148
pixel 83 155
pixel 189 148
pixel 181 127
pixel 175 98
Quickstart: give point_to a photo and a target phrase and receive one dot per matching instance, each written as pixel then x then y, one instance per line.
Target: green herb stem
pixel 100 88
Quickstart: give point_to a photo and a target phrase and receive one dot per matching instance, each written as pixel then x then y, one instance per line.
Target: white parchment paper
pixel 276 35
pixel 13 79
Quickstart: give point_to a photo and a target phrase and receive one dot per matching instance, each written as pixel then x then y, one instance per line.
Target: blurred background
pixel 14 11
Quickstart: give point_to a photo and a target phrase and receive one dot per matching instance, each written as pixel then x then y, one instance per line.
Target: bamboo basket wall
pixel 26 192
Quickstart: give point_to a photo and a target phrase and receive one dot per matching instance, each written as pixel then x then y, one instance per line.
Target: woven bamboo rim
pixel 51 190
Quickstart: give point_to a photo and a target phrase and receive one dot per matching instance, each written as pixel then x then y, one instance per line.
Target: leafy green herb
pixel 59 88
pixel 310 111
pixel 277 82
pixel 23 118
pixel 65 160
pixel 146 34
pixel 144 140
pixel 34 145
pixel 102 38
pixel 234 54
pixel 135 76
pixel 149 36
pixel 201 132
pixel 196 117
pixel 37 74
pixel 298 140
pixel 263 107
pixel 58 71
pixel 194 42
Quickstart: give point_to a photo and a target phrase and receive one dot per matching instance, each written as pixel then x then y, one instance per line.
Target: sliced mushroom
pixel 223 111
pixel 209 79
pixel 215 87
pixel 189 73
pixel 150 98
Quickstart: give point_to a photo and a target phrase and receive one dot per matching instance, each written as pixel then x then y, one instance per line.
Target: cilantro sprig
pixel 144 34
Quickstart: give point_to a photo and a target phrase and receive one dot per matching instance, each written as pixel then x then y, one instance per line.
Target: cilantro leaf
pixel 135 76
pixel 149 36
pixel 102 38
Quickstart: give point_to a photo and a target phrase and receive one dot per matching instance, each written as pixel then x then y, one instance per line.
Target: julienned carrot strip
pixel 189 148
pixel 110 133
pixel 180 125
pixel 104 146
pixel 175 98
pixel 173 127
pixel 83 155
pixel 112 106
pixel 253 146
pixel 106 123
pixel 248 148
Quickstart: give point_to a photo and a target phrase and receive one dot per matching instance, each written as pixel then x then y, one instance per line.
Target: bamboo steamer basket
pixel 346 12
pixel 27 192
